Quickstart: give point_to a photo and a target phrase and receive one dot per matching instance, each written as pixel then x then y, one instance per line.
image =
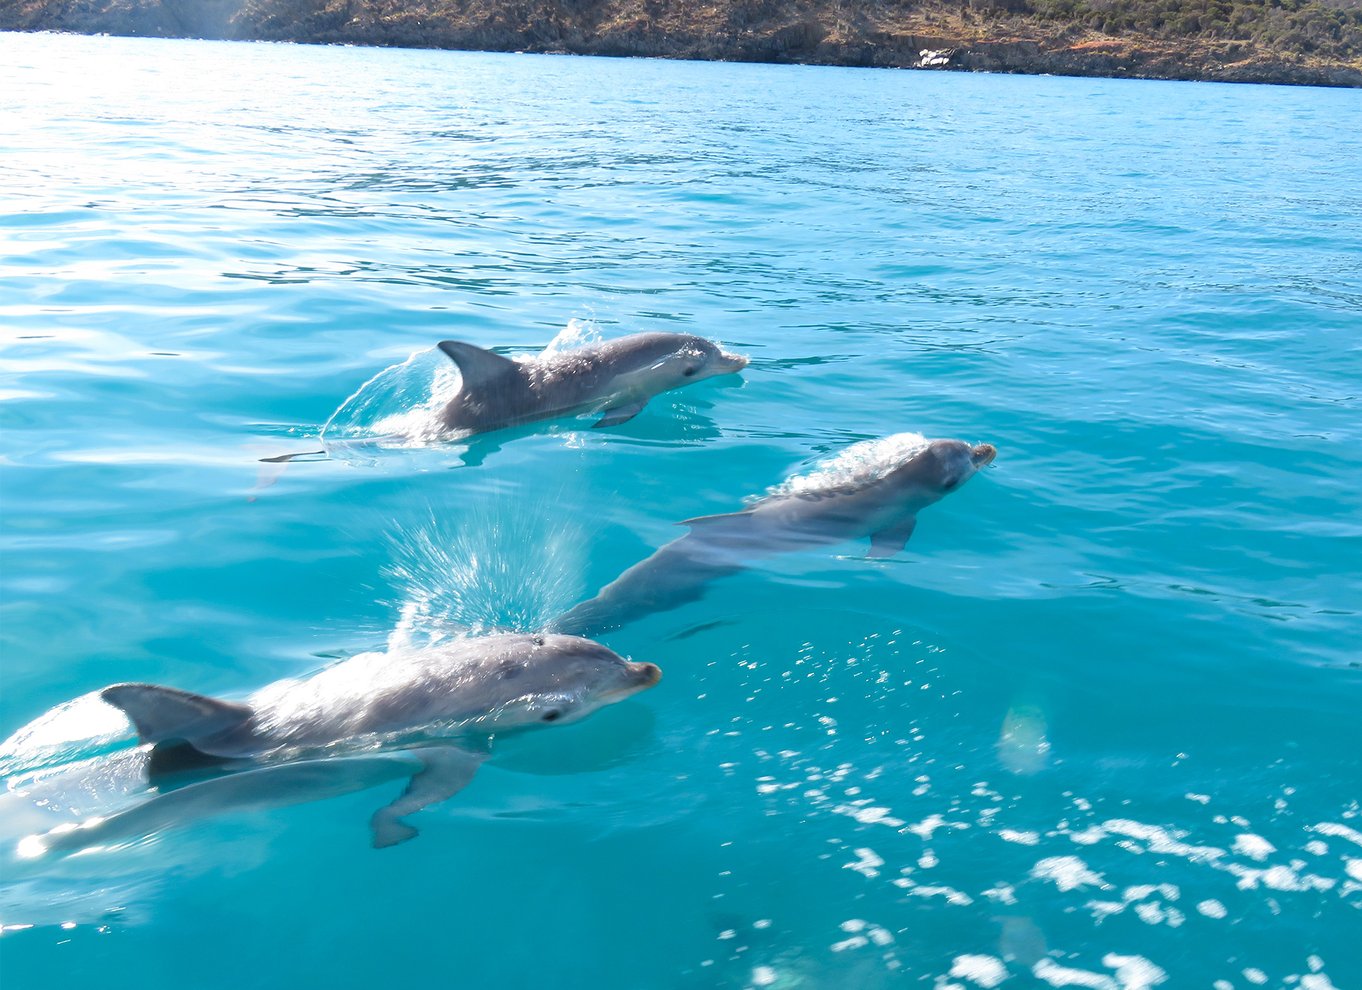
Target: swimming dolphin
pixel 874 490
pixel 426 714
pixel 616 377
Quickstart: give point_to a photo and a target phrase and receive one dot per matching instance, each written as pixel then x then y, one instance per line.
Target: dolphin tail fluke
pixel 445 771
pixel 162 713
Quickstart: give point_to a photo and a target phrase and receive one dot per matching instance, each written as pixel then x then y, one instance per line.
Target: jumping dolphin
pixel 874 489
pixel 616 377
pixel 426 714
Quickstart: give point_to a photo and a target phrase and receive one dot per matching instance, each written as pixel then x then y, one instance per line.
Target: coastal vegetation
pixel 1296 41
pixel 1291 27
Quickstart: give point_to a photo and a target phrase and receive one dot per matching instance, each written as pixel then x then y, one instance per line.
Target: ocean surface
pixel 1098 725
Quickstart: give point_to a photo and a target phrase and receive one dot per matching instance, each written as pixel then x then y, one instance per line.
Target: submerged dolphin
pixel 428 714
pixel 874 489
pixel 616 377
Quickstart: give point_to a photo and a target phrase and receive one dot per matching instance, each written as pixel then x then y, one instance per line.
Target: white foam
pixel 1134 972
pixel 984 971
pixel 1064 976
pixel 951 895
pixel 1090 836
pixel 926 828
pixel 1003 893
pixel 869 815
pixel 763 976
pixel 1156 914
pixel 867 863
pixel 1067 873
pixel 855 942
pixel 1339 831
pixel 1161 840
pixel 1255 847
pixel 1212 908
pixel 1278 878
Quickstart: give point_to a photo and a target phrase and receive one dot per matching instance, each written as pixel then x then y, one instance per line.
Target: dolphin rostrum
pixel 616 378
pixel 429 714
pixel 873 489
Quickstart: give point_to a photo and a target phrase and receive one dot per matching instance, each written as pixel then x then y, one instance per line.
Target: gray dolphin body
pixel 426 714
pixel 881 504
pixel 616 377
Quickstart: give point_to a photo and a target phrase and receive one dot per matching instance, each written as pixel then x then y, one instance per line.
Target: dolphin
pixel 874 489
pixel 616 377
pixel 429 715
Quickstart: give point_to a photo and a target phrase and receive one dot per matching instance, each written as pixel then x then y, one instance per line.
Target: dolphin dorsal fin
pixel 477 365
pixel 162 713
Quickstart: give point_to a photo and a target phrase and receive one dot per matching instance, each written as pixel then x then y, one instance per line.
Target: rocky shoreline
pixel 819 32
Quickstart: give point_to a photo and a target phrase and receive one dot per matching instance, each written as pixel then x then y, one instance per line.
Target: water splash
pixel 577 334
pixel 400 404
pixel 75 729
pixel 498 567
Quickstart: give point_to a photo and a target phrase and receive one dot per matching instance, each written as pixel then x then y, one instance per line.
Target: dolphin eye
pixel 552 715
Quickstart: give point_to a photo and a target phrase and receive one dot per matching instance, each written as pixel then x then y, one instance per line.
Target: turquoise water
pixel 1096 726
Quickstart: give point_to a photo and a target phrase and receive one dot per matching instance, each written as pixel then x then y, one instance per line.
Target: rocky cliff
pixel 1318 42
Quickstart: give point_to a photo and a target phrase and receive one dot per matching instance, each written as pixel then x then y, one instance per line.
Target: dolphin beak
pixel 983 454
pixel 735 362
pixel 645 674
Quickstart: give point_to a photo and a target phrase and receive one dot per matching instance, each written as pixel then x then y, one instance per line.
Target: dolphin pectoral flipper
pixel 620 413
pixel 891 540
pixel 161 713
pixel 445 771
pixel 477 366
